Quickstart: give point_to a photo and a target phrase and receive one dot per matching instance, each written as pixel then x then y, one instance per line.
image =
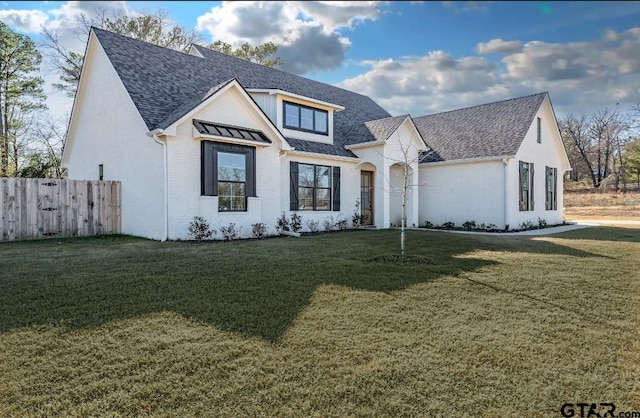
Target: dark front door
pixel 366 197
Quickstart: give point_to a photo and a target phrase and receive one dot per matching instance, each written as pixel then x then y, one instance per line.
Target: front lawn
pixel 321 326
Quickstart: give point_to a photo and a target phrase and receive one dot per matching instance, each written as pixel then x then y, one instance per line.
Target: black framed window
pixel 228 171
pixel 539 130
pixel 551 188
pixel 314 187
pixel 526 186
pixel 305 118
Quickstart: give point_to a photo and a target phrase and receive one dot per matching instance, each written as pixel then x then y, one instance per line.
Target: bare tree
pixel 41 149
pixel 154 27
pixel 409 155
pixel 595 142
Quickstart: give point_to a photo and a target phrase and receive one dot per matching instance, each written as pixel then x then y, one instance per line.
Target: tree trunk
pixel 404 206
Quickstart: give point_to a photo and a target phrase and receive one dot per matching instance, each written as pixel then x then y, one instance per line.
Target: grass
pixel 604 205
pixel 321 326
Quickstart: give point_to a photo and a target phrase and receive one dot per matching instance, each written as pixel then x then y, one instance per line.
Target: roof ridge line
pixel 279 70
pixel 146 42
pixel 482 104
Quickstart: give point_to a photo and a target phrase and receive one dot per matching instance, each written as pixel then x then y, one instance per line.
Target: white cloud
pixel 498 46
pixel 65 20
pixel 582 75
pixel 307 33
pixel 27 21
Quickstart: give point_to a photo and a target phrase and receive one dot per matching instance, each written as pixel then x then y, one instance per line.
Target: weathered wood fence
pixel 55 208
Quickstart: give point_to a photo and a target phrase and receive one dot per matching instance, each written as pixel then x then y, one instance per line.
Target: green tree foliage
pixel 632 158
pixel 20 94
pixel 265 54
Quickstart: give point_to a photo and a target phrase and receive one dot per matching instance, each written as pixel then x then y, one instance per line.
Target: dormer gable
pixel 298 116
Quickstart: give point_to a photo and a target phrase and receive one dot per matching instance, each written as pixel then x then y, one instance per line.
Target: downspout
pixel 507 217
pixel 155 135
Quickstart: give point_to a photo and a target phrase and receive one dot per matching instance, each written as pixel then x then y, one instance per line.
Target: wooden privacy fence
pixel 55 208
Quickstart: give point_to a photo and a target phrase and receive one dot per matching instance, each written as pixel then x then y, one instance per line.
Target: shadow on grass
pixel 251 287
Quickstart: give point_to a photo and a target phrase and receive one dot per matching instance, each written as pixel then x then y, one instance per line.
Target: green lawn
pixel 490 326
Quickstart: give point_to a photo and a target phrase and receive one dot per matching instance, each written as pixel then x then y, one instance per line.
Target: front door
pixel 366 197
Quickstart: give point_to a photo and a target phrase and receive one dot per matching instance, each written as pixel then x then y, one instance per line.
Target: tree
pixel 595 142
pixel 409 155
pixel 632 160
pixel 20 94
pixel 154 27
pixel 265 54
pixel 43 151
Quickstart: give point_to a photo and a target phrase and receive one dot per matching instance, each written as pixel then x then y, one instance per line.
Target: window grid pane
pixel 323 199
pixel 231 167
pixel 314 187
pixel 306 118
pixel 291 115
pixel 231 196
pixel 322 176
pixel 321 122
pixel 305 198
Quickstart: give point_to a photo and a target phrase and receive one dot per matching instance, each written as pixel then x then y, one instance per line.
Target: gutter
pixel 507 216
pixel 155 134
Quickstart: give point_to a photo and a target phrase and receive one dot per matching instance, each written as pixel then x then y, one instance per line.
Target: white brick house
pixel 206 134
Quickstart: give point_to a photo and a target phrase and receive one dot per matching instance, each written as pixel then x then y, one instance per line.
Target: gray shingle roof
pixel 488 130
pixel 320 148
pixel 163 82
pixel 184 108
pixel 370 131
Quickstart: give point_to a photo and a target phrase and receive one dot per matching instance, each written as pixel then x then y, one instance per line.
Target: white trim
pixel 337 107
pixel 324 156
pixel 468 160
pixel 194 51
pixel 366 144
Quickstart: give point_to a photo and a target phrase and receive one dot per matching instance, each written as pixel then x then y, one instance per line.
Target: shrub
pixel 282 223
pixel 448 225
pixel 429 225
pixel 259 230
pixel 341 223
pixel 356 219
pixel 328 223
pixel 527 225
pixel 542 223
pixel 469 225
pixel 230 232
pixel 199 229
pixel 313 226
pixel 296 222
pixel 492 226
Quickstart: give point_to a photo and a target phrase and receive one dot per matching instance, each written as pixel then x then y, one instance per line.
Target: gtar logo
pixel 600 410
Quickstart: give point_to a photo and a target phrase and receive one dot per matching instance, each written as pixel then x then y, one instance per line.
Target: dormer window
pixel 305 118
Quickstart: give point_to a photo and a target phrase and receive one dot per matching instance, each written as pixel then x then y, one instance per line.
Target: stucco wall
pixel 107 129
pixel 462 192
pixel 547 153
pixel 184 158
pixel 349 191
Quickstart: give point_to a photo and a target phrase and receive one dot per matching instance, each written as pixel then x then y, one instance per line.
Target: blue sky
pixel 411 57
